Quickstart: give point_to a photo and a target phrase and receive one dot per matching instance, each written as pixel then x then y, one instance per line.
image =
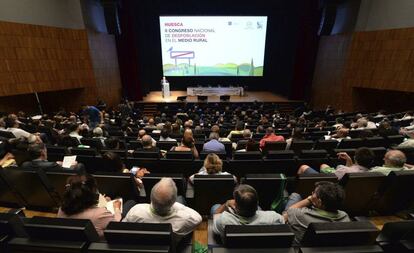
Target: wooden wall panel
pixel 329 68
pixel 105 67
pixel 77 65
pixel 41 58
pixel 375 61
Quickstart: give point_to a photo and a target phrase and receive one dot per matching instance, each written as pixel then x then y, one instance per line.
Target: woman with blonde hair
pixel 213 165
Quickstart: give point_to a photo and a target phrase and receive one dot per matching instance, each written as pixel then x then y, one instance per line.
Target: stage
pixel 250 96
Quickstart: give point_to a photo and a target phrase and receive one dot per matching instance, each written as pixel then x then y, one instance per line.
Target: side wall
pixel 55 56
pixel 372 68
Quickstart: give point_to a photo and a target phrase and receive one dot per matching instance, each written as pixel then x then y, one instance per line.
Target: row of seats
pixel 41 190
pixel 40 234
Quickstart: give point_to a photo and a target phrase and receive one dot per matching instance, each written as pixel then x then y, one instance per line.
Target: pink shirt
pixel 99 216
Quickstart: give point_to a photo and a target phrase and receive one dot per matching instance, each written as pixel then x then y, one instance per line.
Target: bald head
pixel 146 141
pixel 163 196
pixel 394 158
pixel 141 133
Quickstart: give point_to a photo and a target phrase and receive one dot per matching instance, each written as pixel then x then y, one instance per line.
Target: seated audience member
pixel 164 209
pixel 270 136
pixel 142 133
pixel 187 144
pixel 38 152
pixel 213 165
pixel 408 143
pixel 165 135
pixel 238 130
pixel 385 129
pixel 251 145
pixel 80 201
pixel 242 210
pixel 216 129
pixel 341 133
pixel 322 206
pixel 112 143
pixel 339 123
pixel 12 125
pixel 394 160
pixel 113 163
pixel 74 130
pixel 98 134
pixel 364 160
pixel 297 135
pixel 214 146
pixel 147 144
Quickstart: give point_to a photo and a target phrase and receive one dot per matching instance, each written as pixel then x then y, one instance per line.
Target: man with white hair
pixel 394 160
pixel 165 209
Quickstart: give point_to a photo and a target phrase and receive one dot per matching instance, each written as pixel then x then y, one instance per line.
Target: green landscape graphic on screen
pixel 229 69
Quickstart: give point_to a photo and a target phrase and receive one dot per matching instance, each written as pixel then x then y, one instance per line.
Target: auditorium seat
pixel 305 183
pixel 298 146
pixel 351 143
pixel 288 167
pixel 328 145
pixel 204 185
pixel 394 140
pixel 7 134
pixel 248 155
pixel 11 225
pixel 9 197
pixel 55 235
pixel 92 163
pixel 379 153
pixel 203 155
pixel 146 154
pixel 117 185
pixel 258 236
pixel 120 152
pixel 236 137
pixel 135 237
pixel 340 235
pixel 313 154
pixel 92 142
pixel 392 198
pixel 395 235
pixel 33 187
pixel 376 141
pixel 58 180
pixel 166 145
pixel 84 151
pixel 187 167
pixel 269 187
pixel 134 145
pixel 358 201
pixel 280 154
pixel 274 145
pixel 151 179
pixel 182 155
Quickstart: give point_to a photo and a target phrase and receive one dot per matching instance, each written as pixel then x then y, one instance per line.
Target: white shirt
pixel 183 219
pixel 21 133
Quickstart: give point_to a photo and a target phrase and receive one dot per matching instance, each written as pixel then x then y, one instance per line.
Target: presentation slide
pixel 213 45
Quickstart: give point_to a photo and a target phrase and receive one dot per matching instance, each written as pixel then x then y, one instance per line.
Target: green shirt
pixel 385 170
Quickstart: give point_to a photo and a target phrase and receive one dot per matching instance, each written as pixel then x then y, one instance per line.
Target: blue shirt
pixel 93 113
pixel 214 146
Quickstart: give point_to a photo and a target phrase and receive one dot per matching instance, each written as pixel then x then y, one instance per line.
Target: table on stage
pixel 215 91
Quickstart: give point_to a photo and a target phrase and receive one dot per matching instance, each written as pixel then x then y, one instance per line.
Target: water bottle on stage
pixel 165 88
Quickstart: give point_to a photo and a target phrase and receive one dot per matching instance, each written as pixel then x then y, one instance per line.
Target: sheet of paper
pixel 68 161
pixel 110 205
